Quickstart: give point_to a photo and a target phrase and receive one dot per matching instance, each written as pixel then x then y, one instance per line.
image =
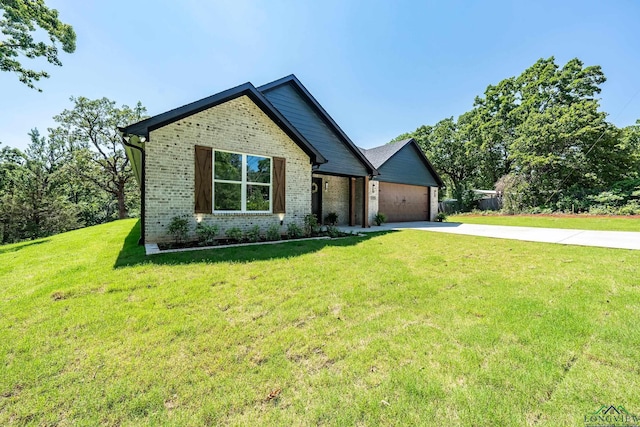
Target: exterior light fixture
pixel 281 216
pixel 326 186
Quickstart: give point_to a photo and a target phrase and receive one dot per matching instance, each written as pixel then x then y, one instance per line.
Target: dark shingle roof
pixel 293 80
pixel 143 127
pixel 378 156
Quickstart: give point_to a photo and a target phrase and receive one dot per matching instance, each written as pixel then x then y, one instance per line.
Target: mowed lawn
pixel 579 222
pixel 403 328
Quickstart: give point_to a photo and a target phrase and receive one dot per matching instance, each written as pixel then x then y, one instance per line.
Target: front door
pixel 316 198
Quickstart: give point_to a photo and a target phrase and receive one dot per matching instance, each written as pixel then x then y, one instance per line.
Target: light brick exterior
pixel 238 125
pixel 434 204
pixel 335 198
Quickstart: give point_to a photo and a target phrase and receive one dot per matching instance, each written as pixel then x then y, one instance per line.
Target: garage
pixel 407 183
pixel 403 202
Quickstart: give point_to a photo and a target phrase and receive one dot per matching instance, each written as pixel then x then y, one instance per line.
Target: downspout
pixel 142 186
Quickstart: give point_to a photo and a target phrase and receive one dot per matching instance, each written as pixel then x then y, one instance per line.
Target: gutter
pixel 141 181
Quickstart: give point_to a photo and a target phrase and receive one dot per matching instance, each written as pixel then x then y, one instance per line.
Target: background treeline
pixel 74 176
pixel 540 139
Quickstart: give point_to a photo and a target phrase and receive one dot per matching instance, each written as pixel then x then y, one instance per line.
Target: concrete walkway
pixel 605 239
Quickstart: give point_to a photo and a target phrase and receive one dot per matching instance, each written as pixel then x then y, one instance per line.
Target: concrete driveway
pixel 605 239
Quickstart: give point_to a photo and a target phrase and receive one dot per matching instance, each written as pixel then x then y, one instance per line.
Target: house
pixel 258 156
pixel 407 183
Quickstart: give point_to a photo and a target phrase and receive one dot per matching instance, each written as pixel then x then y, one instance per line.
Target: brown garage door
pixel 402 202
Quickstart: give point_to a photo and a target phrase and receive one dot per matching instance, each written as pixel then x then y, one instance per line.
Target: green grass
pixel 403 328
pixel 580 222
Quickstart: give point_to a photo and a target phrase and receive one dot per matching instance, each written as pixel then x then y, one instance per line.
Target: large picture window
pixel 241 182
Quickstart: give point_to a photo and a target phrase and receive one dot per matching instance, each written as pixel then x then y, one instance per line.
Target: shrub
pixel 253 234
pixel 273 232
pixel 294 231
pixel 178 228
pixel 380 218
pixel 311 226
pixel 207 233
pixel 441 216
pixel 234 233
pixel 331 218
pixel 333 231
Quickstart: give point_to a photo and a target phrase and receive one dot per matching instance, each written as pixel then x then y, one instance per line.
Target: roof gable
pixel 295 102
pixel 143 127
pixel 403 162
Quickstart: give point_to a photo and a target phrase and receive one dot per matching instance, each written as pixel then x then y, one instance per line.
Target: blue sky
pixel 380 68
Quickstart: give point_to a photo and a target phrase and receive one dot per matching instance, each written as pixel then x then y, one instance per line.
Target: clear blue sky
pixel 380 68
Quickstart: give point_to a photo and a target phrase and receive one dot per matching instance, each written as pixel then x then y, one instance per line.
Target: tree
pixel 20 18
pixel 32 201
pixel 452 150
pixel 91 129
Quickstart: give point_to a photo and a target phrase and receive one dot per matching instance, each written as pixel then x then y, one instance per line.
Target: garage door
pixel 402 202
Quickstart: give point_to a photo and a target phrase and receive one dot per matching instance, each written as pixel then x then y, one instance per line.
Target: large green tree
pixel 543 128
pixel 33 201
pixel 20 20
pixel 91 130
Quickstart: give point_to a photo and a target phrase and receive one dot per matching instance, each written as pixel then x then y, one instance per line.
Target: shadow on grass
pixel 133 254
pixel 19 246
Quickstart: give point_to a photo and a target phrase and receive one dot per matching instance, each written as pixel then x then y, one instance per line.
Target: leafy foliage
pixel 91 131
pixel 207 232
pixel 294 231
pixel 20 19
pixel 178 228
pixel 253 234
pixel 540 133
pixel 234 233
pixel 311 226
pixel 273 232
pixel 380 218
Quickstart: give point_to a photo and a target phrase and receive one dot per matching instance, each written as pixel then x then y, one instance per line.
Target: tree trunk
pixel 122 209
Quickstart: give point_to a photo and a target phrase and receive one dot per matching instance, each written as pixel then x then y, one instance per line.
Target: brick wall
pixel 335 197
pixel 237 125
pixel 434 203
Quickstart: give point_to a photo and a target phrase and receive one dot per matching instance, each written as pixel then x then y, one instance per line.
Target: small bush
pixel 273 232
pixel 207 233
pixel 331 218
pixel 253 234
pixel 333 231
pixel 294 231
pixel 178 228
pixel 380 218
pixel 234 233
pixel 441 217
pixel 311 226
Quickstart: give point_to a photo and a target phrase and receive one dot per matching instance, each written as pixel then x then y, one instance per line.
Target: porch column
pixel 352 201
pixel 365 202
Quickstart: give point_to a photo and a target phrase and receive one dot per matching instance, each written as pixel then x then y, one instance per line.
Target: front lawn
pixel 402 328
pixel 578 222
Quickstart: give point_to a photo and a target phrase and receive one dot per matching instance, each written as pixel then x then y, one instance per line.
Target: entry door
pixel 316 198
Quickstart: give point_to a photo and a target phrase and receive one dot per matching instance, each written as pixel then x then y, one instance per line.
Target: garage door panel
pixel 402 202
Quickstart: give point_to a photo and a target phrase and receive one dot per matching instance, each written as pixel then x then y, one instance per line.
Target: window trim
pixel 244 183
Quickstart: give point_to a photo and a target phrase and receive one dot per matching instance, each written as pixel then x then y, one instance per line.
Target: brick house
pixel 251 156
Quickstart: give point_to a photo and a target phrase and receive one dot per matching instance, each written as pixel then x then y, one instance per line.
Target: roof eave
pixel 143 127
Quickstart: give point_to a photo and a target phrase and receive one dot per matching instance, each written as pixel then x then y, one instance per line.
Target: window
pixel 241 182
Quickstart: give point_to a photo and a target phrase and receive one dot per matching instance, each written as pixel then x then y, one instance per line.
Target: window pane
pixel 228 166
pixel 258 169
pixel 257 197
pixel 227 197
